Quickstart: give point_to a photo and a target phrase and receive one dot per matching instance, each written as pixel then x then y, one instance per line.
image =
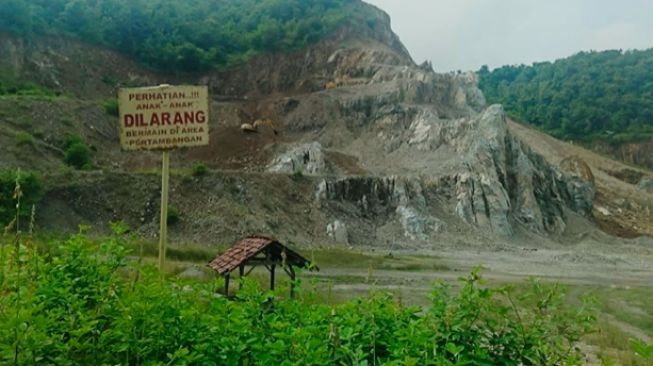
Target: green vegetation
pixel 86 304
pixel 590 96
pixel 200 170
pixel 184 36
pixel 111 106
pixel 174 216
pixel 77 153
pixel 10 84
pixel 30 191
pixel 24 139
pixel 297 176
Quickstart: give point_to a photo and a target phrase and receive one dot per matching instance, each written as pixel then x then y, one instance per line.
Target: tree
pixel 591 95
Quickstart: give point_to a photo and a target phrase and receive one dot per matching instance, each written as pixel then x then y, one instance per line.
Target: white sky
pixel 466 34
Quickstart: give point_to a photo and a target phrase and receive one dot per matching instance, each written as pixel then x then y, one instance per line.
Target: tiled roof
pixel 239 253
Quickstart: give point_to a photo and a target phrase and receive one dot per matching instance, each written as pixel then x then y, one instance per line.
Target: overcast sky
pixel 465 34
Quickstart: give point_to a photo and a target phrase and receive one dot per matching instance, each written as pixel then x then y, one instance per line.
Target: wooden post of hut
pixel 255 251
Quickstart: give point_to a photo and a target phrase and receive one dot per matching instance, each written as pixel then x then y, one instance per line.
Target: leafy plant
pixel 642 349
pixel 200 170
pixel 174 216
pixel 77 153
pixel 84 303
pixel 110 106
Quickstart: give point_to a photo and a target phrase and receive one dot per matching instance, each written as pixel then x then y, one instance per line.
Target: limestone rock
pixel 646 185
pixel 417 226
pixel 504 181
pixel 577 167
pixel 337 231
pixel 306 159
pixel 321 192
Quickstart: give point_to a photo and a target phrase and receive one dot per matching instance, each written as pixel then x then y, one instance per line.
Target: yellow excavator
pixel 257 125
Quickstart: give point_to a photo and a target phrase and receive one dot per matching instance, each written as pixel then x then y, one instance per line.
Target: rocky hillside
pixel 367 148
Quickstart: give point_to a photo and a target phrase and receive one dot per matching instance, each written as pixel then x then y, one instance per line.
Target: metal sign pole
pixel 163 233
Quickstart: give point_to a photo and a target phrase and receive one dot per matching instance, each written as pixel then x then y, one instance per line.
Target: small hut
pixel 257 251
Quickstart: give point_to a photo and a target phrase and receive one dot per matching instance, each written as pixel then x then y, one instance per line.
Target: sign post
pixel 163 118
pixel 163 227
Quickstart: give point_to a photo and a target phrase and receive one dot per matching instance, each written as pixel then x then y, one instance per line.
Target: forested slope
pixel 590 97
pixel 185 36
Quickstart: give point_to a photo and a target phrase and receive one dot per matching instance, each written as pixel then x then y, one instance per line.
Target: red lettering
pixel 189 117
pixel 178 119
pixel 200 117
pixel 165 117
pixel 129 120
pixel 154 120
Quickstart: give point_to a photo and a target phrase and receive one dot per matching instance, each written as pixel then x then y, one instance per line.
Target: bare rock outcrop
pixel 495 182
pixel 337 231
pixel 646 185
pixel 306 159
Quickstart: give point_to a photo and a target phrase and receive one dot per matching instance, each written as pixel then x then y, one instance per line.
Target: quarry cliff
pixel 368 148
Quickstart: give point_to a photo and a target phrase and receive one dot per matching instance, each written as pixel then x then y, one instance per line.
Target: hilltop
pixel 603 100
pixel 177 37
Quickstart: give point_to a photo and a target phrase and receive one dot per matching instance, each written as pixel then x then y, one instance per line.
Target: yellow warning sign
pixel 164 117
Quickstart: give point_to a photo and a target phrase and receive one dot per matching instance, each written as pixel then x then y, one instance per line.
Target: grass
pixel 24 139
pixel 622 312
pixel 346 258
pixel 191 253
pixel 632 306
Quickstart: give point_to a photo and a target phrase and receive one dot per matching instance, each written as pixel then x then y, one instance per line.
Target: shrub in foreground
pixel 85 304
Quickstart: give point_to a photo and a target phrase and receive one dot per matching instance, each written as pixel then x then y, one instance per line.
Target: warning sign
pixel 164 117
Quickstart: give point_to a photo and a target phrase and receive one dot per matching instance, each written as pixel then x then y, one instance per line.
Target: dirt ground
pixel 619 278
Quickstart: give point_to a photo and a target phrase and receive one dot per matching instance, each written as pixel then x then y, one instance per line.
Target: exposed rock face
pixel 493 194
pixel 429 155
pixel 496 181
pixel 575 166
pixel 416 225
pixel 305 159
pixel 646 185
pixel 337 231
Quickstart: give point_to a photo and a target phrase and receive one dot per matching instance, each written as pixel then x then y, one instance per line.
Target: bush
pixel 111 107
pixel 200 170
pixel 84 304
pixel 174 216
pixel 297 175
pixel 77 153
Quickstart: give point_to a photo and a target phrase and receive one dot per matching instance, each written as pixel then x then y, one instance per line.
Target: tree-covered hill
pixel 190 35
pixel 590 96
